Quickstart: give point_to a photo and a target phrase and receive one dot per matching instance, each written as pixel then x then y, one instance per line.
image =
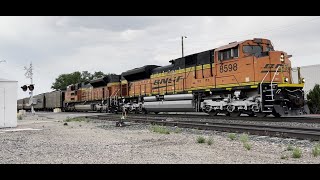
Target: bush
pixel 232 136
pixel 316 150
pixel 244 138
pixel 296 153
pixel 247 146
pixel 160 129
pixel 201 140
pixel 314 99
pixel 210 141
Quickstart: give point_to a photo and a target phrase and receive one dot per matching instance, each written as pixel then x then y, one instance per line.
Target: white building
pixel 311 75
pixel 8 103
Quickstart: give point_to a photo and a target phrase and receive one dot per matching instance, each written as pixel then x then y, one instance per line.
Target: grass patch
pixel 296 153
pixel 247 146
pixel 160 129
pixel 19 117
pixel 290 148
pixel 316 150
pixel 201 140
pixel 244 138
pixel 210 141
pixel 77 119
pixel 232 136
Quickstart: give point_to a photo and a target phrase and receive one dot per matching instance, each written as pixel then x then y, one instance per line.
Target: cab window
pixel 228 54
pixel 252 49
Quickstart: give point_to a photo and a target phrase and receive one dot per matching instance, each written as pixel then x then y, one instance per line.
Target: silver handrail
pixel 261 89
pixel 262 82
pixel 272 82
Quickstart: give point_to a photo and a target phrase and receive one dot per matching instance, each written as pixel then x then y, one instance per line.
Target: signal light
pixel 24 88
pixel 31 87
pixel 282 58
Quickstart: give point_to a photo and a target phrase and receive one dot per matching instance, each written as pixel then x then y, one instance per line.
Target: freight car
pixel 54 100
pixel 43 102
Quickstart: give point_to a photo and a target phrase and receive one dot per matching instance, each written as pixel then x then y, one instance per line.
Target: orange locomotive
pixel 247 77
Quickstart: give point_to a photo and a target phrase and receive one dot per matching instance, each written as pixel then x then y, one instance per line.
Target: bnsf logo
pixel 272 65
pixel 167 80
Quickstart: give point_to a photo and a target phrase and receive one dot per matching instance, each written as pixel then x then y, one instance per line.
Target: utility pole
pixel 182 44
pixel 29 74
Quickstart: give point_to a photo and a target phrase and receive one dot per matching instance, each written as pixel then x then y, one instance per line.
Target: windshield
pixel 252 49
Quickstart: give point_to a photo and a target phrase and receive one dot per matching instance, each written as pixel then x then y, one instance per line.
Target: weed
pixel 201 140
pixel 316 150
pixel 160 129
pixel 77 119
pixel 296 153
pixel 232 136
pixel 177 130
pixel 19 116
pixel 210 141
pixel 247 146
pixel 244 138
pixel 290 148
pixel 283 156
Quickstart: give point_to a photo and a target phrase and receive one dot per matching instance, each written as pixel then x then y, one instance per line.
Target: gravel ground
pixel 48 140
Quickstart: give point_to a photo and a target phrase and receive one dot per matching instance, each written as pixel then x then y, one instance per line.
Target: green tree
pixel 98 74
pixel 314 99
pixel 66 79
pixel 86 76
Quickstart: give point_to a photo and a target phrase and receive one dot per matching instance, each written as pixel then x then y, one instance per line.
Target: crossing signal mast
pixel 29 75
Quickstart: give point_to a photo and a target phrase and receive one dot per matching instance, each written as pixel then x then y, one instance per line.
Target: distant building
pixel 8 103
pixel 311 74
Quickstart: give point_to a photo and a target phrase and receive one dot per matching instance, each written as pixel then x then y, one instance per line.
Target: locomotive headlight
pixel 286 79
pixel 303 80
pixel 282 58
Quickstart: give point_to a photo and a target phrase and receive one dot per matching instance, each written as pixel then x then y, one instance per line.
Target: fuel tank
pixel 170 106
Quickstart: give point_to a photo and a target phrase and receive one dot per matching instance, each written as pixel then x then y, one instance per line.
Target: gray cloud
pixel 115 44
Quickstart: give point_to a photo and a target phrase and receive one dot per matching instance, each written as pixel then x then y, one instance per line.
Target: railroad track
pixel 203 116
pixel 263 130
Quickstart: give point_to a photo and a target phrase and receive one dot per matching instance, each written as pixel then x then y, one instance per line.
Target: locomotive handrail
pixel 261 89
pixel 274 75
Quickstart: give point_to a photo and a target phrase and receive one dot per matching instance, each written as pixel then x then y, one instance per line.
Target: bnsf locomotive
pixel 247 77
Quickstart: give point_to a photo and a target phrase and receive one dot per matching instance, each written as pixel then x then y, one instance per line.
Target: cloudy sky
pixel 59 45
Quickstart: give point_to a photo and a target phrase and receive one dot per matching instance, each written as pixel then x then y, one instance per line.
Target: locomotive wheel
pixel 235 114
pixel 276 114
pixel 260 114
pixel 213 113
pixel 251 114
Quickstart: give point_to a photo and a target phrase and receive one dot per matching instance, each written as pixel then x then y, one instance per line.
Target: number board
pixel 228 67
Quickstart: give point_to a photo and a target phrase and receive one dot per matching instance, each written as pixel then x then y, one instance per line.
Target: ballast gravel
pixel 44 139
